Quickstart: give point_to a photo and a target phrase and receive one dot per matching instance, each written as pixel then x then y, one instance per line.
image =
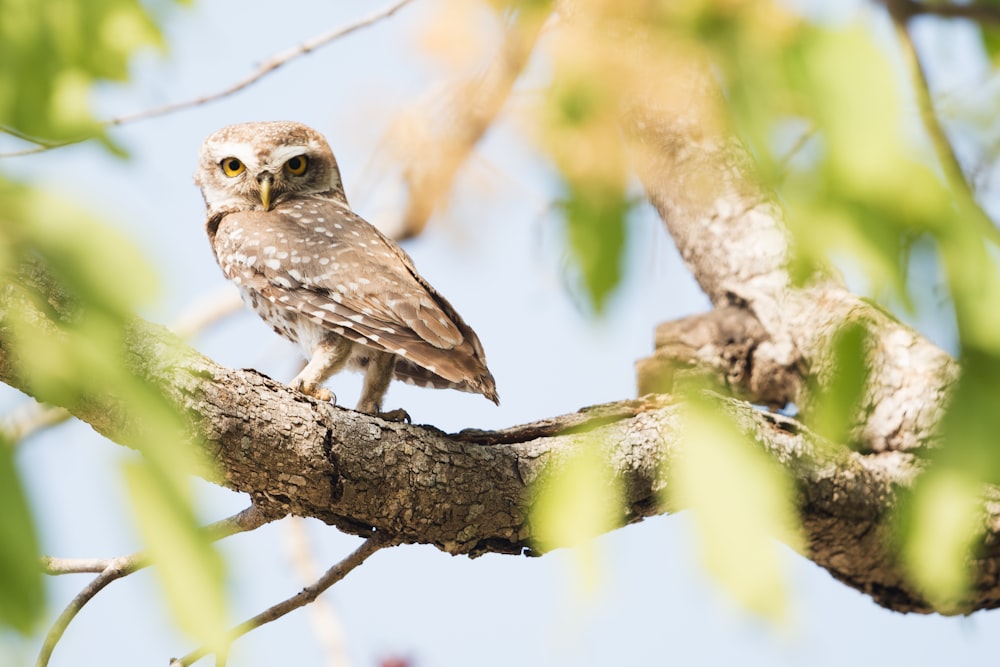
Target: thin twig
pixel 265 68
pixel 302 598
pixel 327 626
pixel 900 11
pixel 784 163
pixel 29 418
pixel 979 12
pixel 437 139
pixel 112 569
pixel 24 136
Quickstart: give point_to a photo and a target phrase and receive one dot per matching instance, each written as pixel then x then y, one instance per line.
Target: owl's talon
pixel 319 393
pixel 397 415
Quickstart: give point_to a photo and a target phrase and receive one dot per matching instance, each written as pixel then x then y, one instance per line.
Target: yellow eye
pixel 232 167
pixel 297 165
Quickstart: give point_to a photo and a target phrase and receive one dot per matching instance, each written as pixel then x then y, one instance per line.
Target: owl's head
pixel 255 166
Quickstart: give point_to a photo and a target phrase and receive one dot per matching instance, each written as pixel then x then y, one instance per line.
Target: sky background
pixel 496 254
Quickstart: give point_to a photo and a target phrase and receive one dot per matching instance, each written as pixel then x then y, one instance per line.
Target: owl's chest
pixel 285 321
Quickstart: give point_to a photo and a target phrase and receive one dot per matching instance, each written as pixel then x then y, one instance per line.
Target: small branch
pixel 784 163
pixel 265 68
pixel 23 136
pixel 898 10
pixel 901 11
pixel 437 140
pixel 115 569
pixel 981 13
pixel 304 597
pixel 112 569
pixel 207 311
pixel 327 626
pixel 29 418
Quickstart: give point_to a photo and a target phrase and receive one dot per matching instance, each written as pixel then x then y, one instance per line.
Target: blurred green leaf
pixel 838 399
pixel 743 506
pixel 580 131
pixel 189 568
pixel 991 41
pixel 22 596
pixel 595 225
pixel 53 52
pixel 943 523
pixel 972 421
pixel 577 500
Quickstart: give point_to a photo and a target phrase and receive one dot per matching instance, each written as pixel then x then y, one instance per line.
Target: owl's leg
pixel 327 358
pixel 377 378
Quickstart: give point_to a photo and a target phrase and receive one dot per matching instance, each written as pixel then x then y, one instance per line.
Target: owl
pixel 321 276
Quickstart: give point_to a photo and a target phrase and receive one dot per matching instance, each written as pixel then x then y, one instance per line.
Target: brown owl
pixel 323 277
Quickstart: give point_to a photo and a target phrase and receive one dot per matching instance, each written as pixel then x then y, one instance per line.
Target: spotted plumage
pixel 320 275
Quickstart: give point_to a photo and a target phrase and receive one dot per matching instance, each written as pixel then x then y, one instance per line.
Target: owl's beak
pixel 265 180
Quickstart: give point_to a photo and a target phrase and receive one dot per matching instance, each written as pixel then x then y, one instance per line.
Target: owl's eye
pixel 232 167
pixel 297 165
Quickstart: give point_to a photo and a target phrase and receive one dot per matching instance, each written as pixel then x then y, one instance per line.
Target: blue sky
pixel 496 254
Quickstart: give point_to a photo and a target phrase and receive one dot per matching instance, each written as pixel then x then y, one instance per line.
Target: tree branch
pixel 732 237
pixel 302 598
pixel 979 12
pixel 435 141
pixel 470 492
pixel 112 569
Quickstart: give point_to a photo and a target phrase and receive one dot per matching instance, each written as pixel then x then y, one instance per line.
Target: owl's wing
pixel 331 266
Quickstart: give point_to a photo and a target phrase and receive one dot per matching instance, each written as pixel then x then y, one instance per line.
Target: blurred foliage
pixel 838 397
pixel 189 567
pixel 830 114
pixel 51 55
pixel 940 526
pixel 742 504
pixel 22 599
pixel 576 500
pixel 579 129
pixel 86 281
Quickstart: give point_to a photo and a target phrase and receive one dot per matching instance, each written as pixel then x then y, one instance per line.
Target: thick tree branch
pixel 470 492
pixel 733 238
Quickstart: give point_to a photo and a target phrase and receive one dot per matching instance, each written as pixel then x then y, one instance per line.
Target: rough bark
pixel 469 492
pixel 733 239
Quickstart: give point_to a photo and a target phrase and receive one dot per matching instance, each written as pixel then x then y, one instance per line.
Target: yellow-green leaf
pixel 22 596
pixel 742 503
pixel 189 568
pixel 945 521
pixel 576 500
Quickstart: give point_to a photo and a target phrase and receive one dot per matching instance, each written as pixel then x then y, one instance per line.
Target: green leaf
pixel 838 401
pixel 943 525
pixel 22 598
pixel 991 41
pixel 52 53
pixel 576 500
pixel 595 228
pixel 190 570
pixel 742 504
